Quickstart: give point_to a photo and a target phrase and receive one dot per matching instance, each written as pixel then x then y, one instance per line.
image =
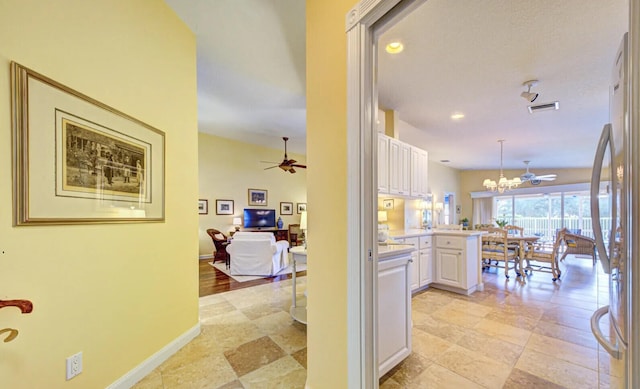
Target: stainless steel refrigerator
pixel 612 184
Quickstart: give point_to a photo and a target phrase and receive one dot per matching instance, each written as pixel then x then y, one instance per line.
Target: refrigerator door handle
pixel 612 349
pixel 605 139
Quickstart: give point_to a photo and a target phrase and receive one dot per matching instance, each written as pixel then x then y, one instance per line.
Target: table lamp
pixel 237 222
pixel 303 227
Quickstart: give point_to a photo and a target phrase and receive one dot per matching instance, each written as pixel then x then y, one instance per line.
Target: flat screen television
pixel 259 218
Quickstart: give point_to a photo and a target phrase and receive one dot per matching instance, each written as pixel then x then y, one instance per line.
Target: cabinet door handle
pixel 411 260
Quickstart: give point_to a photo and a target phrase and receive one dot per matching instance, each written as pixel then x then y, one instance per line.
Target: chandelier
pixel 503 183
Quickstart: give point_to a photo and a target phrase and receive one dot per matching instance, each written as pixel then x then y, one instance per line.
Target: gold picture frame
pixel 79 161
pixel 258 197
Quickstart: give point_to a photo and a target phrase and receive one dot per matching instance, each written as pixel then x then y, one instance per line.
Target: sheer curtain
pixel 482 210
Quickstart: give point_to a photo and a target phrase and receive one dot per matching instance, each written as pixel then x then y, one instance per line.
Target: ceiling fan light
pixel 502 181
pixel 516 181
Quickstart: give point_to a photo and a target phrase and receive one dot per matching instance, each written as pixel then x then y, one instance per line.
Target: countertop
pixel 388 250
pixel 411 233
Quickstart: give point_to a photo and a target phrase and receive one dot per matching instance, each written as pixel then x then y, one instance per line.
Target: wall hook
pixel 13 333
pixel 25 306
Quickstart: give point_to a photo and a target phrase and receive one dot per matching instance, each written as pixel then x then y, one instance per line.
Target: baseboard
pixel 205 256
pixel 147 366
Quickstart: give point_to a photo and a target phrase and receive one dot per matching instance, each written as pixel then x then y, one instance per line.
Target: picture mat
pixel 42 202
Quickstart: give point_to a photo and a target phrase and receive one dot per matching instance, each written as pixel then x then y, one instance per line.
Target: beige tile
pixel 474 366
pixel 557 370
pixel 427 345
pixel 209 372
pixel 228 319
pixel 390 383
pixel 275 322
pixel 282 373
pixel 407 370
pixel 513 320
pixel 436 376
pixel 461 318
pixel 301 357
pixel 211 299
pixel 570 352
pixel 151 381
pixel 519 379
pixel 567 334
pixel 292 338
pixel 505 332
pixel 447 331
pixel 215 309
pixel 262 309
pixel 253 355
pixel 491 347
pixel 225 337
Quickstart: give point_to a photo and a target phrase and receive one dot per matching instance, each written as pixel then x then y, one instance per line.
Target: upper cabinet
pixel 402 168
pixel 419 167
pixel 383 164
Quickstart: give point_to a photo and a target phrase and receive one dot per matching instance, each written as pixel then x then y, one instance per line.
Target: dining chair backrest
pixel 514 230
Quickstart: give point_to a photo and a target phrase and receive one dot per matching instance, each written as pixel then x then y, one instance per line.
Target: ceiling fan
pixel 287 165
pixel 533 178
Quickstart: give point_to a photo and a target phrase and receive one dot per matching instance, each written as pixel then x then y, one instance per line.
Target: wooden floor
pixel 214 281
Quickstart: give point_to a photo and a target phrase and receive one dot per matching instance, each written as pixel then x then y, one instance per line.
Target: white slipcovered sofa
pixel 257 254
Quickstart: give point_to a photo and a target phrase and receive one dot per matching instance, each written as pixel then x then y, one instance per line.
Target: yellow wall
pixel 327 193
pixel 228 168
pixel 118 293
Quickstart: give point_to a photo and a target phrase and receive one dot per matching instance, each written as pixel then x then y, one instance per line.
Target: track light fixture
pixel 528 95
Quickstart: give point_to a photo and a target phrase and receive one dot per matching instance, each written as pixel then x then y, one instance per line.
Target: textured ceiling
pixel 460 56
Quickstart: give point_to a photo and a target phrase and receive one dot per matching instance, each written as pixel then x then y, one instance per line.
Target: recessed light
pixel 394 47
pixel 457 116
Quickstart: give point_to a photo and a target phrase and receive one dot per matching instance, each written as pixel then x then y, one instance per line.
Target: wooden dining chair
pixel 543 257
pixel 514 230
pixel 496 248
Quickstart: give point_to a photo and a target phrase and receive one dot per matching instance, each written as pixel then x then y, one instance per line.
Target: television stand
pixel 279 234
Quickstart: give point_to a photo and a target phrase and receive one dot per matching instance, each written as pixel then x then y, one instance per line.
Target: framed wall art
pixel 286 208
pixel 224 207
pixel 387 204
pixel 302 207
pixel 257 197
pixel 78 160
pixel 203 207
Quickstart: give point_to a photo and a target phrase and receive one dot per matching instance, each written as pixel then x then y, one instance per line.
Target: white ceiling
pixel 460 56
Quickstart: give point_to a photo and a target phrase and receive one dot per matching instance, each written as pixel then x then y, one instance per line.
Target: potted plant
pixel 501 222
pixel 465 223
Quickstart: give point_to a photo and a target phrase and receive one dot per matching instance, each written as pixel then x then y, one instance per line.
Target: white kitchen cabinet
pixel 394 312
pixel 399 167
pixel 421 266
pixel 383 163
pixel 457 261
pixel 425 260
pixel 419 169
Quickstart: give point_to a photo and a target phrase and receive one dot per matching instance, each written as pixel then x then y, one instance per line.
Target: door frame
pixel 364 23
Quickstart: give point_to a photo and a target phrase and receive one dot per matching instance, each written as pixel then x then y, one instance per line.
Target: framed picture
pixel 286 208
pixel 257 197
pixel 302 207
pixel 78 160
pixel 387 204
pixel 224 207
pixel 203 207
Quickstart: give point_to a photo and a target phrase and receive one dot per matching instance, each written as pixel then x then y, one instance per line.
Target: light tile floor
pixel 513 334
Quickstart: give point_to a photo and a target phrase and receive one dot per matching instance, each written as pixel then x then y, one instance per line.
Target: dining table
pixel 524 242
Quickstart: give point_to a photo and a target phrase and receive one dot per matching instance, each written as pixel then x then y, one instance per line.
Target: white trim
pixel 142 370
pixel 535 190
pixel 362 183
pixel 205 256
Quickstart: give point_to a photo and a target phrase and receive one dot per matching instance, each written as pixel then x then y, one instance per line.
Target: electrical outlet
pixel 74 365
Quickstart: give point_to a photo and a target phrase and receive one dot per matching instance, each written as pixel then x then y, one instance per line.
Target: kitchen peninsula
pixel 444 259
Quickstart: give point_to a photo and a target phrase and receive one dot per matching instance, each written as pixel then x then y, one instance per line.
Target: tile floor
pixel 513 334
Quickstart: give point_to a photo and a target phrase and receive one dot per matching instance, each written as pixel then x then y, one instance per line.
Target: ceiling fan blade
pixel 270 162
pixel 271 167
pixel 292 170
pixel 547 177
pixel 300 166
